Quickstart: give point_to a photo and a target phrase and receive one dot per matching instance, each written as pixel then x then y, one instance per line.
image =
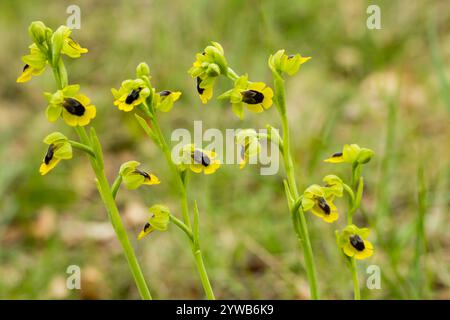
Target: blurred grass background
pixel 383 89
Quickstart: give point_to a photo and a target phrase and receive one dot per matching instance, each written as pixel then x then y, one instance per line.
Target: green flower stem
pixel 298 217
pixel 182 226
pixel 110 204
pixel 233 76
pixel 116 221
pixel 195 246
pixel 357 292
pixel 82 147
pixel 353 205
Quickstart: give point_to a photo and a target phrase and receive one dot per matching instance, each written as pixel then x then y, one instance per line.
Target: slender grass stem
pixel 108 200
pixel 420 274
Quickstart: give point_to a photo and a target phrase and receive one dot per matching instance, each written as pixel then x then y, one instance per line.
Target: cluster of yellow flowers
pixel 319 200
pixel 257 97
pixel 77 111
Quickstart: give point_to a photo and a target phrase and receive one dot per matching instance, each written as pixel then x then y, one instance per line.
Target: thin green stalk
pixel 419 275
pixel 437 60
pixel 356 290
pixel 195 247
pixel 82 147
pixel 109 202
pixel 298 217
pixel 182 226
pixel 352 208
pixel 116 221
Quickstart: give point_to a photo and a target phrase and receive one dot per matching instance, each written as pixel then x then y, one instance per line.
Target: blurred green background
pixel 383 89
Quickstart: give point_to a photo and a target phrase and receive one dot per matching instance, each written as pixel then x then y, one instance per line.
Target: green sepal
pixel 55 137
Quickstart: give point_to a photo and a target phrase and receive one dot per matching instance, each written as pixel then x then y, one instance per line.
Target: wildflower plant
pixel 76 110
pixel 317 199
pixel 352 240
pixel 256 96
pixel 138 95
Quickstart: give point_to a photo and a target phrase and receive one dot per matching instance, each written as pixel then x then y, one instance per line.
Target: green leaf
pixel 359 192
pixel 147 128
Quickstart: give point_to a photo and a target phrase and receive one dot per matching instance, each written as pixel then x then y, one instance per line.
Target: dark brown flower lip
pixel 25 67
pixel 164 93
pixel 142 173
pixel 133 96
pixel 73 106
pixel 336 155
pixel 199 90
pixel 323 205
pixel 49 154
pixel 357 242
pixel 252 96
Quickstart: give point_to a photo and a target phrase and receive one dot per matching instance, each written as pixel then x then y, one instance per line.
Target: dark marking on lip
pixel 201 158
pixel 49 154
pixel 252 97
pixel 74 107
pixel 199 90
pixel 164 93
pixel 142 173
pixel 133 96
pixel 324 206
pixel 357 242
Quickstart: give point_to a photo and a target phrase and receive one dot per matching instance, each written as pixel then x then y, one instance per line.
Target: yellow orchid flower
pixel 76 109
pixel 352 241
pixel 199 160
pixel 59 149
pixel 159 220
pixel 316 200
pixel 131 93
pixel 134 177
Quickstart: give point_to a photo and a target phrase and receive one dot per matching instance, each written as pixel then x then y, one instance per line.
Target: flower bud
pixel 364 156
pixel 37 31
pixel 142 70
pixel 283 63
